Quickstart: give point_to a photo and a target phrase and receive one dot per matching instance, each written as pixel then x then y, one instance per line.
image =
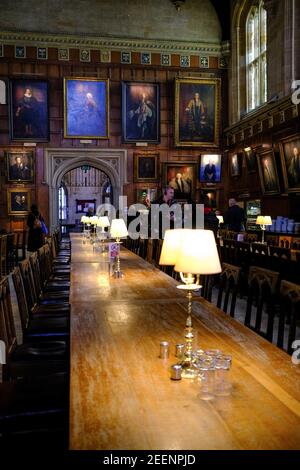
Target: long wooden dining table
pixel 121 394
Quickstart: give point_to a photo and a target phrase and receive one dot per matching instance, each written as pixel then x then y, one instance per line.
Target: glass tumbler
pixel 222 383
pixel 207 379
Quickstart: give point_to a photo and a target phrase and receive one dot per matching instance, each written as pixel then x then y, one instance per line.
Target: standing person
pixel 211 222
pixel 234 218
pixel 35 234
pixel 163 221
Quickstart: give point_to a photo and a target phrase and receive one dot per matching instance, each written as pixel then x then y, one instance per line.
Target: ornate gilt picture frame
pixel 197 112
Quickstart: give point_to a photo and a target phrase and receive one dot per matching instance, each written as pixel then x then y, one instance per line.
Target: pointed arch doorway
pixel 58 162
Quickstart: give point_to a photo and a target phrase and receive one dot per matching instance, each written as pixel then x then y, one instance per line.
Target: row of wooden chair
pixel 269 296
pixel 266 291
pixel 272 240
pixel 36 372
pixel 12 250
pixel 245 254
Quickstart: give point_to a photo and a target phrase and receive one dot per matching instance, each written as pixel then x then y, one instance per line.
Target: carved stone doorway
pixel 113 162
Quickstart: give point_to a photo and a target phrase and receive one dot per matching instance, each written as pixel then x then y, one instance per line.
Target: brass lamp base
pixel 118 274
pixel 189 371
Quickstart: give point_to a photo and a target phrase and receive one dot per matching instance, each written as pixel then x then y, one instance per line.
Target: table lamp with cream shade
pixel 263 221
pixel 118 230
pixel 192 252
pixel 84 220
pixel 102 223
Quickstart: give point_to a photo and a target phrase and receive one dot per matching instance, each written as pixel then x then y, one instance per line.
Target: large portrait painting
pixel 28 110
pixel 18 201
pixel 86 105
pixel 181 177
pixel 210 168
pixel 140 112
pixel 290 160
pixel 197 112
pixel 268 172
pixel 19 166
pixel 145 167
pixel 234 164
pixel 250 159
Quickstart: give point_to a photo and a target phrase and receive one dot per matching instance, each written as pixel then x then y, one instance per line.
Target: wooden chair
pixel 229 251
pixel 228 286
pixel 289 313
pixel 149 255
pixel 260 255
pixel 12 253
pixel 243 255
pixel 262 291
pixel 42 323
pixel 251 237
pixel 28 359
pixel 279 252
pixel 3 255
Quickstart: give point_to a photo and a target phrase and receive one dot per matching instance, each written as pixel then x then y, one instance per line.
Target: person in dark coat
pixel 35 234
pixel 234 218
pixel 211 221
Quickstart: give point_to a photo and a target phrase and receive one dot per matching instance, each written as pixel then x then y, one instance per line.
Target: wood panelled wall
pixel 54 71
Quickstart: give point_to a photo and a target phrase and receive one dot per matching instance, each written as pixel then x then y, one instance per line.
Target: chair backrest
pixel 260 255
pixel 29 284
pixel 149 254
pixel 243 254
pixel 3 246
pixel 280 252
pixel 21 297
pixel 35 268
pixel 289 308
pixel 228 286
pixel 229 251
pixel 251 237
pixel 262 291
pixel 7 326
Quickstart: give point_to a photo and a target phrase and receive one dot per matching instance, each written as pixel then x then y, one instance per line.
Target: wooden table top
pixel 121 395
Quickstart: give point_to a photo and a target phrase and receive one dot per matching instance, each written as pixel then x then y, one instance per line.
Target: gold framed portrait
pixel 290 161
pixel 18 201
pixel 197 112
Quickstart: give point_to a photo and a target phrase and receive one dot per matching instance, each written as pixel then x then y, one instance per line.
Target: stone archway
pixel 60 161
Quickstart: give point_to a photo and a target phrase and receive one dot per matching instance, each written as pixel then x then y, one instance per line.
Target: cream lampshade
pixel 103 221
pixel 263 220
pixel 118 230
pixel 170 247
pixel 197 253
pixel 192 252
